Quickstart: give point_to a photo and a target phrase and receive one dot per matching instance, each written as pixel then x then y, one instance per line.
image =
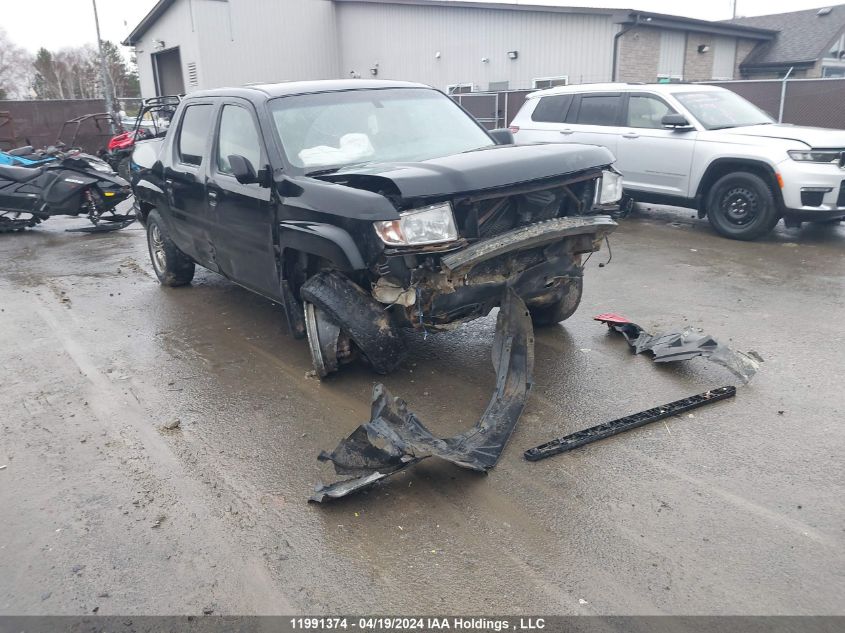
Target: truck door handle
pixel 566 131
pixel 630 135
pixel 212 198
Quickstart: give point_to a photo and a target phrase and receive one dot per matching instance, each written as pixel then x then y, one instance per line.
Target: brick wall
pixel 743 49
pixel 698 66
pixel 639 53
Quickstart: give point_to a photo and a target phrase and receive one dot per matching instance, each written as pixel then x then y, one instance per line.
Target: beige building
pixel 459 46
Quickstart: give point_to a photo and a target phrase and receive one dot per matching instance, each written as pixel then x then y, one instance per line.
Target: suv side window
pixel 599 109
pixel 646 111
pixel 237 135
pixel 193 133
pixel 552 109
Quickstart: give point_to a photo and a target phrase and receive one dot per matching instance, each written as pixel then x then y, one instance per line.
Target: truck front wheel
pixel 562 305
pixel 171 266
pixel 741 206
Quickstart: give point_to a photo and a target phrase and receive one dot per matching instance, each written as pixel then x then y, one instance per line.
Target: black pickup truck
pixel 369 207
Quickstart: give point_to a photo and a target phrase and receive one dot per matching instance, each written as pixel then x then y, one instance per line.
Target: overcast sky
pixel 57 23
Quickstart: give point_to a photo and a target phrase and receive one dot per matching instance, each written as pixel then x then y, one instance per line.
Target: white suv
pixel 701 147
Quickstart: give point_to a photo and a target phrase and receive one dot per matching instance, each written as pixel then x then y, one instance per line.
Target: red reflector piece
pixel 514 128
pixel 611 318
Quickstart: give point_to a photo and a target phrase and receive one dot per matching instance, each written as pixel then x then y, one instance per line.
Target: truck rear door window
pixel 599 110
pixel 193 133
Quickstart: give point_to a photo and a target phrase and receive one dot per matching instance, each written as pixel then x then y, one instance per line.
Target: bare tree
pixel 15 69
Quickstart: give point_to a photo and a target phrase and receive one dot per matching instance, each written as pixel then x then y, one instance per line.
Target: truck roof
pixel 287 88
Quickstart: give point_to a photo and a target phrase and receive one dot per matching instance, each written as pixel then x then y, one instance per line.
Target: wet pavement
pixel 735 509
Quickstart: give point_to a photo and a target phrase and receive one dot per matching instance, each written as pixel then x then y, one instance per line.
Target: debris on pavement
pixel 683 345
pixel 172 424
pixel 620 425
pixel 395 438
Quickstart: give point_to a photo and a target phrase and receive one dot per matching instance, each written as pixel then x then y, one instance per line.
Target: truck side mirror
pixel 676 121
pixel 242 169
pixel 502 136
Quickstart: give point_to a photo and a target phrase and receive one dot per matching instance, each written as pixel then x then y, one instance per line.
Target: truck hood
pixel 488 168
pixel 817 137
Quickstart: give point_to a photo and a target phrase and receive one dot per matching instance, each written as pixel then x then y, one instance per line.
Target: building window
pixel 458 89
pixel 550 82
pixel 833 71
pixel 497 86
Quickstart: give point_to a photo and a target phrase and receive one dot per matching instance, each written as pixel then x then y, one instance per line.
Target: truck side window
pixel 193 133
pixel 237 136
pixel 647 112
pixel 552 109
pixel 599 110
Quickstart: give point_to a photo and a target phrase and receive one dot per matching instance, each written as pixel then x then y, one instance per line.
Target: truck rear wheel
pixel 171 266
pixel 561 308
pixel 741 206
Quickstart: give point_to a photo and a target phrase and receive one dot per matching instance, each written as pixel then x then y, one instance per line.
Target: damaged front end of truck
pixel 440 243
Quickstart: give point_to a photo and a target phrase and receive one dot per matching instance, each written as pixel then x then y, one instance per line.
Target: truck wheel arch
pixel 723 166
pixel 322 240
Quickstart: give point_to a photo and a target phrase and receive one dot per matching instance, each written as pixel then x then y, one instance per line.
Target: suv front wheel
pixel 741 206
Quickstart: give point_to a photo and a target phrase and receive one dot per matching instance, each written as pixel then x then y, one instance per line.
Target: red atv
pixel 152 121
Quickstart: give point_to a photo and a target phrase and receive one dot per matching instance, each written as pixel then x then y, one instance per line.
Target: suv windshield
pixel 720 109
pixel 335 129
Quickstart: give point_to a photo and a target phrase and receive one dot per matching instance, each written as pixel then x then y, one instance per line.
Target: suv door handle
pixel 630 135
pixel 212 198
pixel 566 131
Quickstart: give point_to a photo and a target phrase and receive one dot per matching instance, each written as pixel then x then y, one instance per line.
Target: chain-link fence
pixel 492 109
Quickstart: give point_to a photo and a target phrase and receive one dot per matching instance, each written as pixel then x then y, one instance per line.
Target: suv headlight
pixel 609 188
pixel 427 225
pixel 814 156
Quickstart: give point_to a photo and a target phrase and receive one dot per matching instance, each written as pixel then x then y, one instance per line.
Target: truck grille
pixel 493 216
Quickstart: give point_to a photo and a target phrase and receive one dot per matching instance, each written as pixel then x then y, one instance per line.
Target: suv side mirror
pixel 502 136
pixel 676 121
pixel 242 169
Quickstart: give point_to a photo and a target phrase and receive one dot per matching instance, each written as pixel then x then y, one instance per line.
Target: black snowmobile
pixel 73 184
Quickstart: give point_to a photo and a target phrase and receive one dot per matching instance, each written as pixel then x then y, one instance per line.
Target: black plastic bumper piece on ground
pixel 620 425
pixel 395 438
pixel 683 345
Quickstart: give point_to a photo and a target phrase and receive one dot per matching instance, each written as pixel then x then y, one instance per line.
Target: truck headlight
pixel 814 156
pixel 427 225
pixel 609 189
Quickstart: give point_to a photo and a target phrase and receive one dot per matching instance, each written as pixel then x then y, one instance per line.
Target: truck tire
pixel 171 266
pixel 358 316
pixel 741 206
pixel 563 307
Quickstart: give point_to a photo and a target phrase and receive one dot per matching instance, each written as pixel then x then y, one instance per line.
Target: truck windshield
pixel 336 129
pixel 720 109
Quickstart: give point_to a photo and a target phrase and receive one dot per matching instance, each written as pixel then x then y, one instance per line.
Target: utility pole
pixel 104 75
pixel 733 5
